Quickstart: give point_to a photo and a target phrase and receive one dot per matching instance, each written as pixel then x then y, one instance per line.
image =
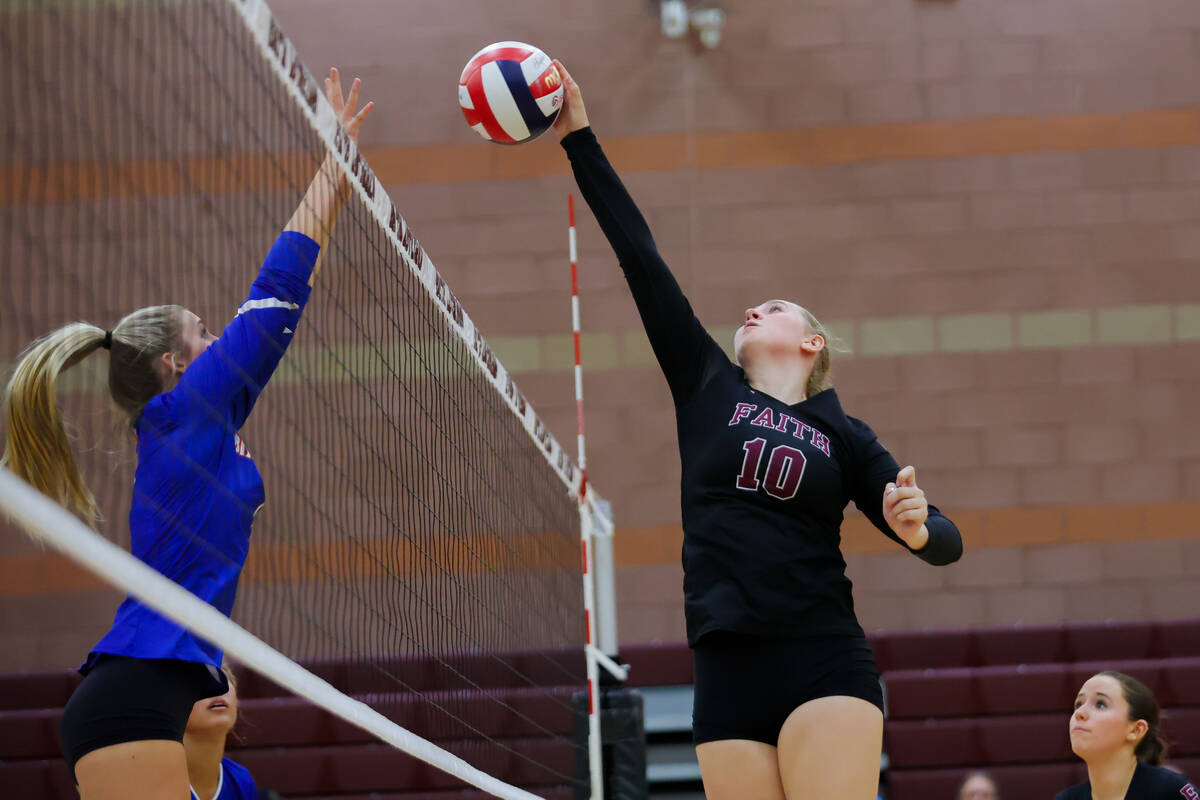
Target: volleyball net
pixel 417 561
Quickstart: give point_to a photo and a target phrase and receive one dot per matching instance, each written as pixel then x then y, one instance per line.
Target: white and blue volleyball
pixel 510 92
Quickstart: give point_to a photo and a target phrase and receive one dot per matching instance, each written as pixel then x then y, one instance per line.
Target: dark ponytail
pixel 1152 749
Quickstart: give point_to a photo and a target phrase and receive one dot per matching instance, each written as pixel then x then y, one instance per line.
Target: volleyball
pixel 510 92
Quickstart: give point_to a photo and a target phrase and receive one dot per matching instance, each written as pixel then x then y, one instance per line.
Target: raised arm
pixel 685 351
pixel 225 380
pixel 317 212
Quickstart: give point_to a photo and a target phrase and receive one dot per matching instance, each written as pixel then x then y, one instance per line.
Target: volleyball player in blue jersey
pixel 212 775
pixel 195 492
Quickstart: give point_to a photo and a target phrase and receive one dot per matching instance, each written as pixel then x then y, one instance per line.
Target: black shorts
pixel 746 686
pixel 134 699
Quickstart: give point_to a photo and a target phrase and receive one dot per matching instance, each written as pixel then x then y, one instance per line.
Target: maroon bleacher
pixel 1049 644
pixel 1023 688
pixel 671 664
pixel 957 700
pixel 37 689
pixel 292 721
pixel 303 752
pixel 1005 706
pixel 999 698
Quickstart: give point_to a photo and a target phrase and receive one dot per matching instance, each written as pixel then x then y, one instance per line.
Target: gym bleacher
pixel 304 753
pixel 993 698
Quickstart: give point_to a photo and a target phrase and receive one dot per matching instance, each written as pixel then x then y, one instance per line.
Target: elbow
pixel 940 556
pixel 951 555
pixel 945 543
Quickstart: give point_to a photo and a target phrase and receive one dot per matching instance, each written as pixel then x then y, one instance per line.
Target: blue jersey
pixel 236 783
pixel 196 489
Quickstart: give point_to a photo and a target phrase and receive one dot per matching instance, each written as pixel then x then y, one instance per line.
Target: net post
pixel 605 584
pixel 587 540
pixel 595 743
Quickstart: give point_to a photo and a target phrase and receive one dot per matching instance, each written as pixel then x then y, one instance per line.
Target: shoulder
pixel 233 767
pixel 825 408
pixel 240 778
pixel 1166 783
pixel 175 408
pixel 157 409
pixel 862 438
pixel 860 430
pixel 1080 791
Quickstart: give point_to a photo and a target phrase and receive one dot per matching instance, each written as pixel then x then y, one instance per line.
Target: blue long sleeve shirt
pixel 196 488
pixel 236 783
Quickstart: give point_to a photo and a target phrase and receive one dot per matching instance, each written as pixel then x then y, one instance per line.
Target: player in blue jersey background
pixel 186 394
pixel 211 774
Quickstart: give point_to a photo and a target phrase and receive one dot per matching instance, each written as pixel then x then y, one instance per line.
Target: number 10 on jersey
pixel 785 468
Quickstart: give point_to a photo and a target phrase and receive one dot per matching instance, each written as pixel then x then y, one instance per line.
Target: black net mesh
pixel 416 548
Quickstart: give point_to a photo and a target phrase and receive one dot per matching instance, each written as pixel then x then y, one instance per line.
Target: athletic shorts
pixel 747 686
pixel 134 699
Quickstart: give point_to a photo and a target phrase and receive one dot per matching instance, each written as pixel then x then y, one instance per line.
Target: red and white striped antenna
pixel 595 759
pixel 578 363
pixel 595 657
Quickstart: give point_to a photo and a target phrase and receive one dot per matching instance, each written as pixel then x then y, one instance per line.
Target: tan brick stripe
pixel 468 163
pixel 50 573
pixel 52 184
pixel 984 333
pixel 990 528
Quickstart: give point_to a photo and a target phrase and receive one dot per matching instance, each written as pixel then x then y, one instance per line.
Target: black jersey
pixel 764 484
pixel 1149 783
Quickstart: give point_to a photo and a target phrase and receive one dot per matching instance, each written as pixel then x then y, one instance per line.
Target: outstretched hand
pixel 318 211
pixel 351 120
pixel 905 508
pixel 573 115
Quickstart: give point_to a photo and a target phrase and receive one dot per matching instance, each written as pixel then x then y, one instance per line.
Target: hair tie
pixel 107 345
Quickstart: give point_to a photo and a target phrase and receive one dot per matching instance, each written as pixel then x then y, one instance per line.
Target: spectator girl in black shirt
pixel 787 702
pixel 1114 729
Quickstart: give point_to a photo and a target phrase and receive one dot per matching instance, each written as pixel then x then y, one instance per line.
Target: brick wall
pixel 995 204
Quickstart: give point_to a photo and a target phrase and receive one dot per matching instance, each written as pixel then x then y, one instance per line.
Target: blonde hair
pixel 38 447
pixel 818 379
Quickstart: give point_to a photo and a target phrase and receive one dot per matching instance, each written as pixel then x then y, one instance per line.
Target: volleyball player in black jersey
pixel 1115 730
pixel 787 698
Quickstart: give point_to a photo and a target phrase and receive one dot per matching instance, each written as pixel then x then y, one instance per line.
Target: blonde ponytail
pixel 38 447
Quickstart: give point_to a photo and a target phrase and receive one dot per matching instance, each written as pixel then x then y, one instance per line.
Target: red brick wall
pixel 874 160
pixel 995 203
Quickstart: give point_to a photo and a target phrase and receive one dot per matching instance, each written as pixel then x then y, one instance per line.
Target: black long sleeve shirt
pixel 764 484
pixel 1148 783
